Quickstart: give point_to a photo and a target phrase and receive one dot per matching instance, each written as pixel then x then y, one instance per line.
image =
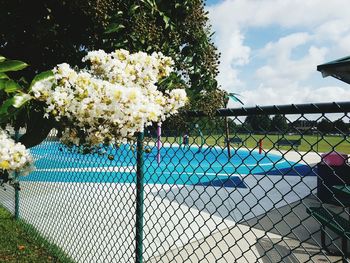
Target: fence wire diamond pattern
pixel 245 185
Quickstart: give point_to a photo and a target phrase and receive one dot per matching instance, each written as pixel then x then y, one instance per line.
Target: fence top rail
pixel 312 108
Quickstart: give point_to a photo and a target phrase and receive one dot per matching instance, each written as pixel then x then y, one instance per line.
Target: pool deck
pixel 254 241
pixel 310 158
pixel 186 221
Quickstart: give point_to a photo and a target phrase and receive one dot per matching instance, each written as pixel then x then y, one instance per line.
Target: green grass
pixel 308 142
pixel 19 242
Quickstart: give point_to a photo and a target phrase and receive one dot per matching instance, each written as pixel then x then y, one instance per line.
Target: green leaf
pixel 3 76
pixel 17 101
pixel 114 28
pixel 134 8
pixel 46 75
pixel 118 14
pixel 11 86
pixel 20 99
pixel 2 58
pixel 2 84
pixel 166 21
pixel 12 65
pixel 150 3
pixel 6 104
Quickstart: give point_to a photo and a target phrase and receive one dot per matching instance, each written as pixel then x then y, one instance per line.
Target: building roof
pixel 339 69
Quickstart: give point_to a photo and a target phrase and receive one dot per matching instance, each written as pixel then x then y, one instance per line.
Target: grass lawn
pixel 17 243
pixel 308 142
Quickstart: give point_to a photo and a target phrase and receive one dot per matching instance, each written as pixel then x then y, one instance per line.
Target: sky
pixel 270 49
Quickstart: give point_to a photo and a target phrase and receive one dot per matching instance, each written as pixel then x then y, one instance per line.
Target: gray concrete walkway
pixel 286 234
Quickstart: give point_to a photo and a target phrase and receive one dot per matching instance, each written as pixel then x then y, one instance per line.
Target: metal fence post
pixel 16 200
pixel 16 185
pixel 139 198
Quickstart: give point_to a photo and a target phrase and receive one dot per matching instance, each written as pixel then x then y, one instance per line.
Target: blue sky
pixel 270 48
pixel 212 2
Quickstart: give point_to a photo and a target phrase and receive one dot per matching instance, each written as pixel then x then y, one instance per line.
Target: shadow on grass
pixel 20 242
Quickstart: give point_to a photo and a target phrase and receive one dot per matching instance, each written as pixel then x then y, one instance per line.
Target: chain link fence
pixel 262 184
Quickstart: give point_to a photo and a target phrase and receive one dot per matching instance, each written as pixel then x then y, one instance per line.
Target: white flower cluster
pixel 14 157
pixel 113 99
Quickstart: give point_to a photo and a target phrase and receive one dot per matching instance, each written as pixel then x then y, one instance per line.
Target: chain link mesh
pixel 245 185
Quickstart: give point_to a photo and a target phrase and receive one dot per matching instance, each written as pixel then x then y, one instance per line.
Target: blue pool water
pixel 180 166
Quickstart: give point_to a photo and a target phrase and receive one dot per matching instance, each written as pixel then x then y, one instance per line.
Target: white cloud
pixel 287 66
pixel 332 30
pixel 234 53
pixel 287 13
pixel 240 53
pixel 334 33
pixel 284 46
pixel 269 96
pixel 281 68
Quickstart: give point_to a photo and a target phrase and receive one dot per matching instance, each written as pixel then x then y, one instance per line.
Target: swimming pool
pixel 178 165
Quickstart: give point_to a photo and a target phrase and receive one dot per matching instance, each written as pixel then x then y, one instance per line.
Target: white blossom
pixel 116 97
pixel 14 157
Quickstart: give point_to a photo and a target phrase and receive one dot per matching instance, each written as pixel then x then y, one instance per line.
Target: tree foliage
pixel 17 108
pixel 279 123
pixel 61 31
pixel 46 32
pixel 340 127
pixel 259 123
pixel 325 126
pixel 12 93
pixel 177 28
pixel 53 32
